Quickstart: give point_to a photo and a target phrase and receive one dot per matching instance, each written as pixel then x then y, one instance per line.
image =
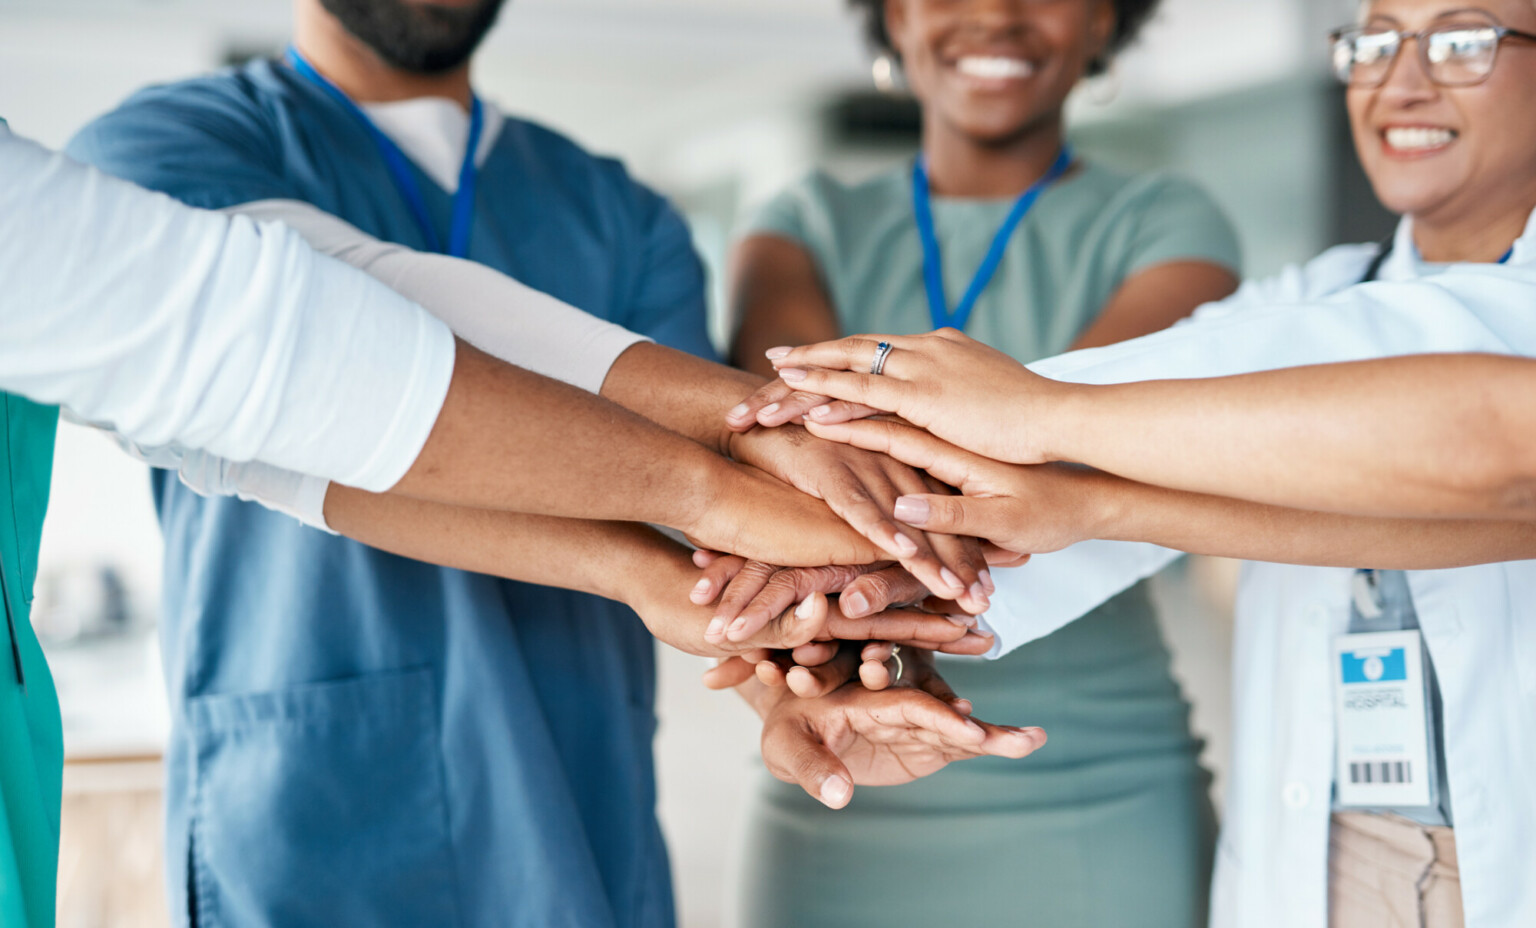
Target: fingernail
pixel 986 580
pixel 769 410
pixel 855 605
pixel 737 626
pixel 773 354
pixel 962 620
pixel 950 580
pixel 803 611
pixel 738 412
pixel 820 412
pixel 911 509
pixel 903 545
pixel 835 790
pixel 791 375
pixel 979 593
pixel 716 627
pixel 974 727
pixel 980 633
pixel 702 586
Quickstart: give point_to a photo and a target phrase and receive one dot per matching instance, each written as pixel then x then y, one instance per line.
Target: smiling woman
pixel 997 228
pixel 1437 131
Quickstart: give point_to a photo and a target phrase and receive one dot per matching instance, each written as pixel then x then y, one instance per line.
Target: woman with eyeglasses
pixel 1376 780
pixel 998 228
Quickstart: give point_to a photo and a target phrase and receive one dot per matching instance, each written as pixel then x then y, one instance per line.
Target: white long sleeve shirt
pixel 180 327
pixel 1479 622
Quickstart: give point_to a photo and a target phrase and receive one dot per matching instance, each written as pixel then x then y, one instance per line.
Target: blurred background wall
pixel 718 103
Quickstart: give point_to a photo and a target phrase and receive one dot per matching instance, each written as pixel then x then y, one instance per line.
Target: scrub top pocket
pixel 331 806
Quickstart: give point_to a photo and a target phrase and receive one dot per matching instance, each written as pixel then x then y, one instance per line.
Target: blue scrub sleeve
pixel 669 303
pixel 198 142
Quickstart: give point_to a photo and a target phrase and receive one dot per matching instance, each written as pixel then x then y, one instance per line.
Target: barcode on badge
pixel 1381 771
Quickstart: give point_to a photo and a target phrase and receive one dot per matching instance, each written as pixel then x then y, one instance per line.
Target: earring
pixel 1104 88
pixel 887 75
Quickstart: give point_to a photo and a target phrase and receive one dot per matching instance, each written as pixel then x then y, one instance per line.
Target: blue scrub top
pixel 362 739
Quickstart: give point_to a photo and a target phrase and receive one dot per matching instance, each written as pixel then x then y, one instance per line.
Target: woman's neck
pixel 961 166
pixel 1469 239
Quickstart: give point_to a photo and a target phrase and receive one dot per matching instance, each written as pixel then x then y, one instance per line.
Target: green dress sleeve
pixel 1179 221
pixel 782 216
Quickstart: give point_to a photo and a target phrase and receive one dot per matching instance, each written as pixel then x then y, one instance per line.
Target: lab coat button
pixel 1296 795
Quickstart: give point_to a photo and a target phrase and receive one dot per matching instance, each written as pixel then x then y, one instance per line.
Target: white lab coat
pixel 182 327
pixel 1479 622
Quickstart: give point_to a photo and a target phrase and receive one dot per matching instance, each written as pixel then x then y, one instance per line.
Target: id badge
pixel 1381 706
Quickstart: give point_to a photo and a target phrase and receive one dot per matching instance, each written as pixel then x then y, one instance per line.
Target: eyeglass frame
pixel 1500 31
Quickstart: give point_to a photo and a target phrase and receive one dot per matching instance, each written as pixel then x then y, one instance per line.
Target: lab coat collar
pixel 1405 264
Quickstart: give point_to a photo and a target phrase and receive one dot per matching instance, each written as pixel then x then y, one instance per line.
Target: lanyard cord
pixel 933 266
pixel 400 166
pixel 1384 251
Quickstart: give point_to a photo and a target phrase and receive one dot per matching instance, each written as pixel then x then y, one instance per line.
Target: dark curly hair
pixel 1130 16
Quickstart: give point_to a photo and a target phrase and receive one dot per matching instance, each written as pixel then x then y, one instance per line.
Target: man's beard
pixel 420 38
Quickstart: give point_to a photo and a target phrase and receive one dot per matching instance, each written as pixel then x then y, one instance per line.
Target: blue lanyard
pixel 933 266
pixel 400 166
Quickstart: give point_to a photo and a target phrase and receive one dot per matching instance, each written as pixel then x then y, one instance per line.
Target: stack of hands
pixel 838 659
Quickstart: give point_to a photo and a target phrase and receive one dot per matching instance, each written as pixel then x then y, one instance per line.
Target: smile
pixel 1417 139
pixel 994 68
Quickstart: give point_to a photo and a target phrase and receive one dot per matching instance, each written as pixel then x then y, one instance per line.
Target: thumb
pixel 980 517
pixel 796 754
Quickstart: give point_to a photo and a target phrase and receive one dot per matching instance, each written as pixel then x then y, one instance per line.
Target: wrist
pixel 653 572
pixel 1057 423
pixel 1107 509
pixel 703 479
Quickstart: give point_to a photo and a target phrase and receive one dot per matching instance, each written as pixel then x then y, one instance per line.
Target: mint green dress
pixel 1111 823
pixel 31 734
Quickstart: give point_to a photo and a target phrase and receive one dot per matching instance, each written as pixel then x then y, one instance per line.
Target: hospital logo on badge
pixel 1381 665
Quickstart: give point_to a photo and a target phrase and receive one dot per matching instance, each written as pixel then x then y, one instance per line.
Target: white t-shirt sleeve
pixel 495 313
pixel 1467 308
pixel 181 327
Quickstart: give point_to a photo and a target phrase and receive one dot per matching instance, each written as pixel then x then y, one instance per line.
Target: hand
pixel 856 736
pixel 1026 508
pixel 751 594
pixel 746 511
pixel 953 386
pixel 862 487
pixel 659 595
pixel 776 403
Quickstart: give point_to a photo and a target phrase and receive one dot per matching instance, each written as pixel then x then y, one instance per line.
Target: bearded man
pixel 358 738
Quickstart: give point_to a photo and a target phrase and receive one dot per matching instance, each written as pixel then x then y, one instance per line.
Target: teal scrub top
pixel 31 733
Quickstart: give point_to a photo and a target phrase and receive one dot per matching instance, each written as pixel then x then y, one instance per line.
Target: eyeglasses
pixel 1453 54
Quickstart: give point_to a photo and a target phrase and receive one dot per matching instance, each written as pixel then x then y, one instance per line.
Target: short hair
pixel 1130 17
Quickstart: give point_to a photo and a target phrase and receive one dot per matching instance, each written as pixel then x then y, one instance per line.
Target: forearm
pixel 1203 524
pixel 510 439
pixel 680 392
pixel 616 560
pixel 1436 436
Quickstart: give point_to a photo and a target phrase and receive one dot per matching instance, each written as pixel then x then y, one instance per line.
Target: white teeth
pixel 1417 138
pixel 994 68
